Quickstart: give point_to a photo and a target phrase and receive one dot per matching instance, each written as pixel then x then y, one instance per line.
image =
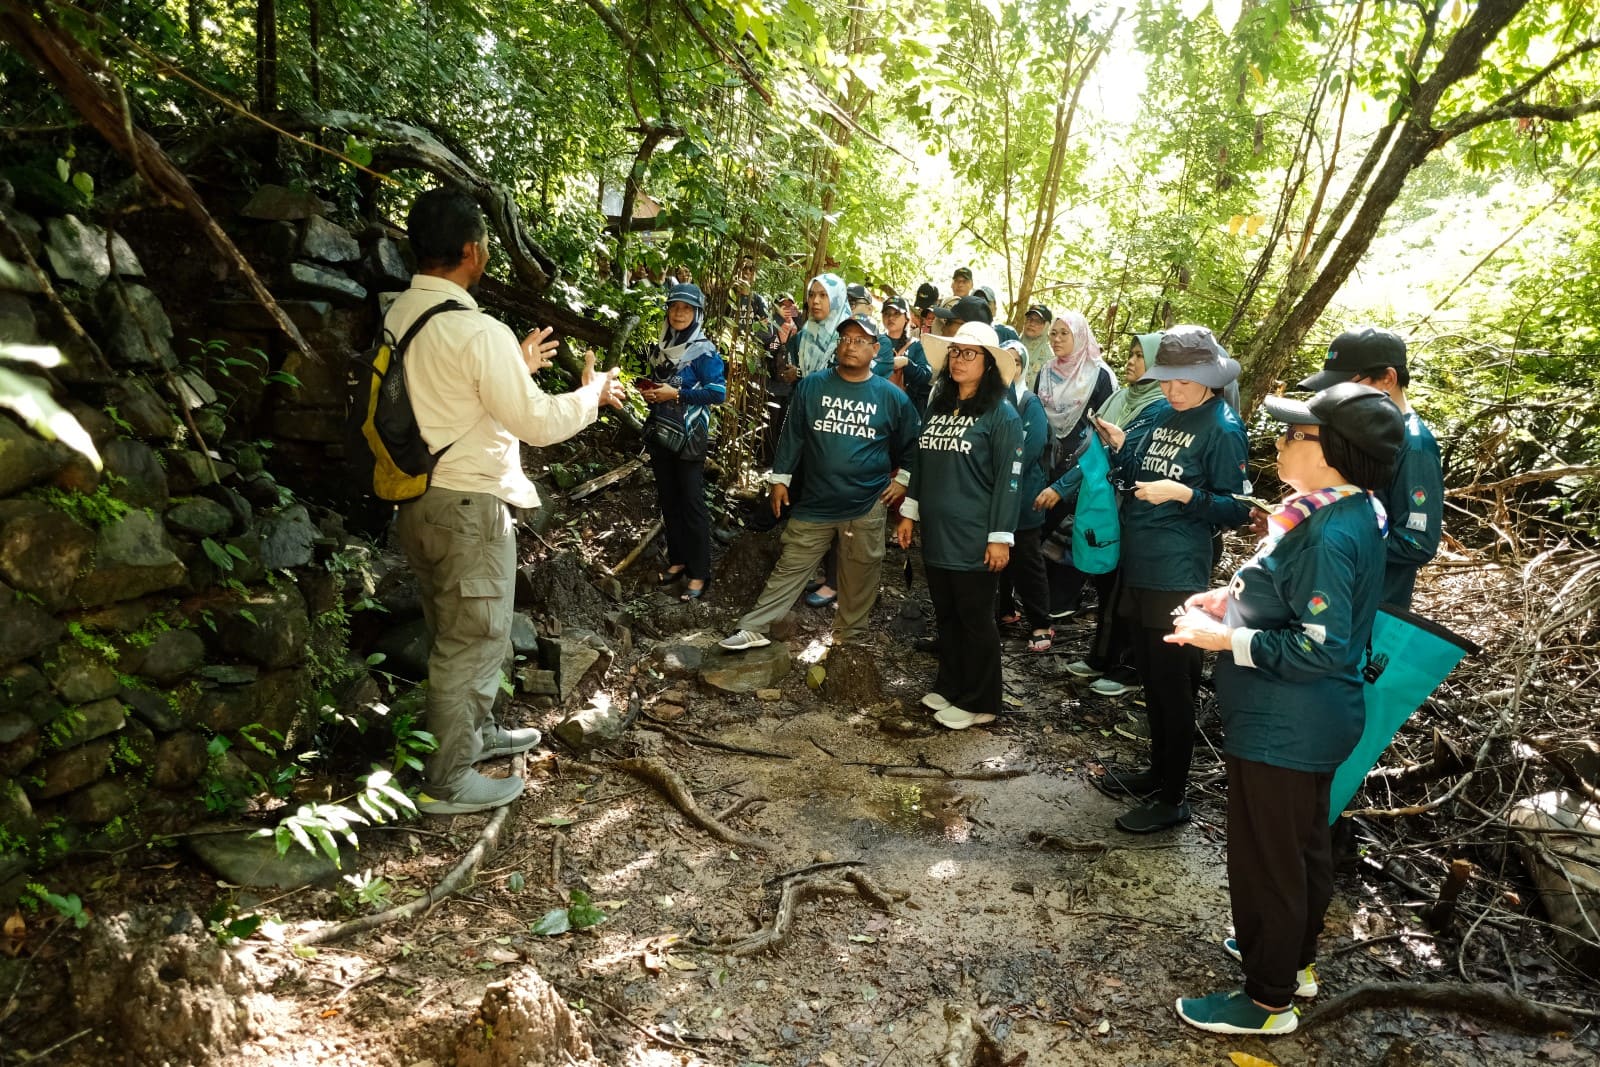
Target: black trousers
pixel 969 641
pixel 1280 872
pixel 1171 677
pixel 681 491
pixel 1113 633
pixel 1024 580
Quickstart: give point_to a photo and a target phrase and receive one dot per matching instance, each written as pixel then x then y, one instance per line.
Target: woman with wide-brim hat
pixel 1292 628
pixel 1186 478
pixel 964 490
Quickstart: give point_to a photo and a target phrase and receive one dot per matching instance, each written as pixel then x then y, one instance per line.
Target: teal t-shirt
pixel 1035 439
pixel 1168 546
pixel 966 478
pixel 1415 502
pixel 846 439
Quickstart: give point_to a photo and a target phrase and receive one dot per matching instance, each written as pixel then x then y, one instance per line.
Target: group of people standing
pixel 985 462
pixel 1291 626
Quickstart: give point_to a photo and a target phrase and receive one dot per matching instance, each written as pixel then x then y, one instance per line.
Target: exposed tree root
pixel 460 876
pixel 1480 1001
pixel 668 781
pixel 796 891
pixel 977 774
pixel 694 740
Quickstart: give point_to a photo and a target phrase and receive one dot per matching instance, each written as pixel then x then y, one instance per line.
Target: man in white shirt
pixel 472 388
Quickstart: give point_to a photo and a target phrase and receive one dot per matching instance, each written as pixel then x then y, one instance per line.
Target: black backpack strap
pixel 422 320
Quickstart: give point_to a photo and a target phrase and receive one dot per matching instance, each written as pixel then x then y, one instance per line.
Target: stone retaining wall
pixel 160 620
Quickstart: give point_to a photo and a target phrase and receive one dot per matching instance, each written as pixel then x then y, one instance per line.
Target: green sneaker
pixel 1234 1013
pixel 1306 977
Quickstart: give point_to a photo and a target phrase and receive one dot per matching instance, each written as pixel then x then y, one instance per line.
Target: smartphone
pixel 645 385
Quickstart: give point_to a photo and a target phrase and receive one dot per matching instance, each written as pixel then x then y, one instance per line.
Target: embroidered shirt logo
pixel 1418 497
pixel 1317 604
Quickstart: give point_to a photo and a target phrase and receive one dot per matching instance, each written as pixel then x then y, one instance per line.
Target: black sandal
pixel 691 595
pixel 669 576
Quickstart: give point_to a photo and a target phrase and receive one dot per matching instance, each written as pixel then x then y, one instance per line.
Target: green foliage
pixel 92 641
pixel 93 510
pixel 579 914
pixel 69 906
pixel 315 826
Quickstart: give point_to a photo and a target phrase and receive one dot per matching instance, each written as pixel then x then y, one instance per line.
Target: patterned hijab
pixel 818 339
pixel 1065 384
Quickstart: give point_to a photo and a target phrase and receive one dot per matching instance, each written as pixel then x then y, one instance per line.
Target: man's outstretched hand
pixel 538 349
pixel 609 388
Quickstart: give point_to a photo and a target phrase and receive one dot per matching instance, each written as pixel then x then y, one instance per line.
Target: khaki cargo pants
pixel 860 571
pixel 463 550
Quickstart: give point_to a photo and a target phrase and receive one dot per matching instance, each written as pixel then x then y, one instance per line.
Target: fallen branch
pixel 459 877
pixel 667 780
pixel 594 485
pixel 50 293
pixel 1480 1001
pixel 586 995
pixel 830 865
pixel 796 892
pixel 82 78
pixel 911 770
pixel 638 549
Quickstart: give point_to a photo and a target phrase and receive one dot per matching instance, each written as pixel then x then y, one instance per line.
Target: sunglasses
pixel 1291 436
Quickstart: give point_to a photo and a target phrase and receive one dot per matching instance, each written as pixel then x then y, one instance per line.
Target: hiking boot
pixel 1235 1013
pixel 1306 977
pixel 1138 784
pixel 498 742
pixel 1079 668
pixel 475 793
pixel 1153 816
pixel 740 640
pixel 934 702
pixel 957 719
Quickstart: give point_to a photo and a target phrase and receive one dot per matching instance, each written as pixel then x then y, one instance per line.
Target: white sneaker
pixel 934 702
pixel 740 640
pixel 957 719
pixel 1306 977
pixel 1079 668
pixel 1110 687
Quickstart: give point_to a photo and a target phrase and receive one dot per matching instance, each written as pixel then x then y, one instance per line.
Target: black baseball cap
pixel 1362 415
pixel 856 291
pixel 1356 351
pixel 963 272
pixel 863 321
pixel 898 303
pixel 971 308
pixel 927 296
pixel 1041 311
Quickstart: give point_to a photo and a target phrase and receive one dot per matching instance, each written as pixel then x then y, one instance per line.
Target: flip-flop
pixel 1010 619
pixel 668 577
pixel 1038 642
pixel 817 600
pixel 690 595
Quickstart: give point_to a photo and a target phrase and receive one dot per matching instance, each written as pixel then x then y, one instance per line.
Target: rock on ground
pixel 523 1022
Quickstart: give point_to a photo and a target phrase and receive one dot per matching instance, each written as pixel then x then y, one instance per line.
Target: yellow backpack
pixel 401 460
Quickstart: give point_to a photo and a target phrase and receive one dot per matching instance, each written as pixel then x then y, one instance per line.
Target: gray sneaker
pixel 1111 687
pixel 475 793
pixel 498 742
pixel 740 640
pixel 1079 668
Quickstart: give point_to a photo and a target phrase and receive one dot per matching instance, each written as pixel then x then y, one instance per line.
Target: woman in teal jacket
pixel 1024 578
pixel 1293 627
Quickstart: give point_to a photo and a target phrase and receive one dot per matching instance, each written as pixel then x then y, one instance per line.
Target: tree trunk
pixel 1402 147
pixel 266 57
pixel 654 134
pixel 314 32
pixel 1043 227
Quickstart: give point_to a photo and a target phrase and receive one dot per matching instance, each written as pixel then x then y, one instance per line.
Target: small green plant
pixel 370 891
pixel 64 726
pixel 93 510
pixel 92 641
pixel 315 826
pixel 69 907
pixel 579 914
pixel 225 923
pixel 118 421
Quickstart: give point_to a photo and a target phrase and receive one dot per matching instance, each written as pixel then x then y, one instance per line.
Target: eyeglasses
pixel 965 355
pixel 855 340
pixel 1291 436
